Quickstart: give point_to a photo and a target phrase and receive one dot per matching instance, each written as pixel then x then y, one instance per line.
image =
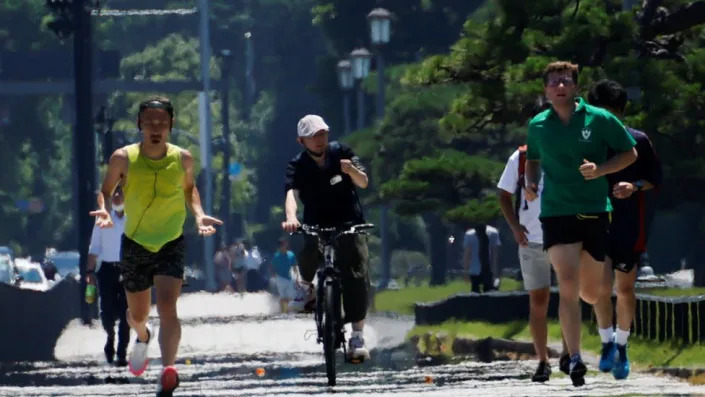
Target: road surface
pixel 239 346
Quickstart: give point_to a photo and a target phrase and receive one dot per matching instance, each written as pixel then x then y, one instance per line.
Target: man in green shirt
pixel 569 142
pixel 158 185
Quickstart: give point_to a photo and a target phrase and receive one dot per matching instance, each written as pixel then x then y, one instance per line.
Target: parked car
pixel 31 275
pixel 7 271
pixel 66 262
pixel 5 250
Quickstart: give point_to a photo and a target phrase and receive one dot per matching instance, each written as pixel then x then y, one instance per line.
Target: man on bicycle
pixel 324 177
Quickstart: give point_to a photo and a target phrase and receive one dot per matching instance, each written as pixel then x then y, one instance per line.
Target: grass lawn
pixel 402 300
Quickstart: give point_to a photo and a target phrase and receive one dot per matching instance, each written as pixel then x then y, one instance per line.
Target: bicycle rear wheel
pixel 329 331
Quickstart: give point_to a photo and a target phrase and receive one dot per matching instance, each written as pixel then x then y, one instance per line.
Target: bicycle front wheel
pixel 329 331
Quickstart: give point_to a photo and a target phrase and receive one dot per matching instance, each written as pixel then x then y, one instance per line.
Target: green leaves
pixel 499 60
pixel 447 183
pixel 475 211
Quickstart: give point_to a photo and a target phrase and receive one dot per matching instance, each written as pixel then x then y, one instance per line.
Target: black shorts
pixel 589 229
pixel 139 265
pixel 351 257
pixel 624 258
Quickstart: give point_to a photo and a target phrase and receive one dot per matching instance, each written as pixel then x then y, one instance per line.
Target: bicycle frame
pixel 327 272
pixel 328 317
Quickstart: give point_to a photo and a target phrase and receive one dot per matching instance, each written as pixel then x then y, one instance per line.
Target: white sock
pixel 606 334
pixel 621 337
pixel 356 334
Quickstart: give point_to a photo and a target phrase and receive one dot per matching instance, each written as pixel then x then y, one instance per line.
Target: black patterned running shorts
pixel 139 265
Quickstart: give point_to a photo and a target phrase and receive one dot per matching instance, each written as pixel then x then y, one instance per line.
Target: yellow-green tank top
pixel 155 206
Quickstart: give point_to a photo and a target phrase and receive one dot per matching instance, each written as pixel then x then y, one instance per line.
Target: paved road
pixel 226 338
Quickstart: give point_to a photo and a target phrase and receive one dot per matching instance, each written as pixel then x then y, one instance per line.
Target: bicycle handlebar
pixel 315 231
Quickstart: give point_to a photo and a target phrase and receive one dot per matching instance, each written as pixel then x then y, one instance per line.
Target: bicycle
pixel 327 313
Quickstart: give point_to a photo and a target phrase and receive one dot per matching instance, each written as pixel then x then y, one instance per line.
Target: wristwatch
pixel 639 185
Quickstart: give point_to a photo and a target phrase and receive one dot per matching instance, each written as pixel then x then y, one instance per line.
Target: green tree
pixel 655 49
pixel 450 187
pixel 35 144
pixel 344 24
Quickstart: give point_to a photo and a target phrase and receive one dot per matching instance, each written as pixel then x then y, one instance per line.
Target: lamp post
pixel 346 82
pixel 249 76
pixel 361 69
pixel 379 21
pixel 225 115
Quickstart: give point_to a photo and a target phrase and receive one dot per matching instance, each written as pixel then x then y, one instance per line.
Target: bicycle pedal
pixel 355 360
pixel 310 333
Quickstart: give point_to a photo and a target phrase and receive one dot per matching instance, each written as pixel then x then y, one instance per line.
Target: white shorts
pixel 535 267
pixel 285 288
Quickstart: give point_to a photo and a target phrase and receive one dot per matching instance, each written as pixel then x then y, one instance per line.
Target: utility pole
pixel 205 135
pixel 83 138
pixel 74 18
pixel 225 115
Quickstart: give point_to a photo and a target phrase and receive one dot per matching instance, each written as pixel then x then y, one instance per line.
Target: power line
pixel 143 12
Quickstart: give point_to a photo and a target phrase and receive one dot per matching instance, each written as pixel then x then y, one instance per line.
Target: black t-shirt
pixel 631 217
pixel 329 196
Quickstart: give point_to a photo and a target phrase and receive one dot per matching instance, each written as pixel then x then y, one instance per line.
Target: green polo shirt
pixel 561 149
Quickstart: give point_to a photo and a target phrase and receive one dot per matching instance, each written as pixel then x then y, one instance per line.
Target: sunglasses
pixel 566 81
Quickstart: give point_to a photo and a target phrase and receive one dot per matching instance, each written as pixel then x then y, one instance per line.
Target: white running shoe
pixel 357 350
pixel 138 355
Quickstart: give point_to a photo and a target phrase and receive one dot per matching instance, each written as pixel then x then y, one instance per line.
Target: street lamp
pixel 360 69
pixel 379 20
pixel 346 82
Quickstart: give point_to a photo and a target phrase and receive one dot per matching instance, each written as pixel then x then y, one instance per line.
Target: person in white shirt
pixel 480 259
pixel 523 219
pixel 104 264
pixel 252 261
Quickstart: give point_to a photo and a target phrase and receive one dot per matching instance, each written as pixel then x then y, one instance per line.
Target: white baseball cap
pixel 311 124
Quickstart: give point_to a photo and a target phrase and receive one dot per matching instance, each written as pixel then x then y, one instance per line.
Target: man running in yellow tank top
pixel 158 185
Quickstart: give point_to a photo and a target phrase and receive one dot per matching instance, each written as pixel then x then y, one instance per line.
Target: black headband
pixel 156 104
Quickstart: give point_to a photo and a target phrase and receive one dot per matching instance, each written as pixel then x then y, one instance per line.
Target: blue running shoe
pixel 609 350
pixel 577 370
pixel 621 364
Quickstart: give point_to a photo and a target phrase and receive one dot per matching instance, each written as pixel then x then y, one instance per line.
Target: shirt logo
pixel 586 132
pixel 336 179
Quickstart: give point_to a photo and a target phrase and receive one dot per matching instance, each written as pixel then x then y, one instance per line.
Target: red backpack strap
pixel 522 160
pixel 520 180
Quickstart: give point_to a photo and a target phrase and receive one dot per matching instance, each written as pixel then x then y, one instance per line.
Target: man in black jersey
pixel 324 177
pixel 629 192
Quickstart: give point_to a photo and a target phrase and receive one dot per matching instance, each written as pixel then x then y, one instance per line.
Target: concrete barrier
pixel 31 321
